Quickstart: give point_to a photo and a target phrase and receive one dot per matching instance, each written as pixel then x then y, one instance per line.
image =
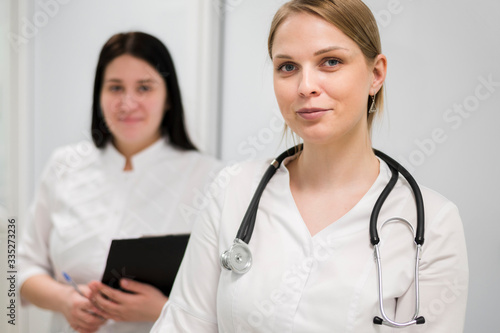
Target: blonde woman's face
pixel 321 80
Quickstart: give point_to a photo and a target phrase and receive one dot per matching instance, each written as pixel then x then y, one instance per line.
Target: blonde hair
pixel 352 17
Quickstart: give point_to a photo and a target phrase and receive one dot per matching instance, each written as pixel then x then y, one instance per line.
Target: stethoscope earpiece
pixel 238 258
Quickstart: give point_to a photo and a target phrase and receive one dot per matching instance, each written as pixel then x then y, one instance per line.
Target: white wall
pixel 12 162
pixel 439 52
pixel 4 135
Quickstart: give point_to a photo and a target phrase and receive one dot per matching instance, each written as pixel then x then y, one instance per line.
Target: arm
pixel 44 292
pixel 192 306
pixel 443 276
pixel 144 303
pixel 36 282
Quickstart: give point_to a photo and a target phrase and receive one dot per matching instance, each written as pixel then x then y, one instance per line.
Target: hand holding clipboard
pixel 151 260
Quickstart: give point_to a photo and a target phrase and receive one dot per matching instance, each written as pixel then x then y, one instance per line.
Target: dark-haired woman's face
pixel 133 100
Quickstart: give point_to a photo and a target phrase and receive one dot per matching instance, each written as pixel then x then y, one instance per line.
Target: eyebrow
pixel 139 81
pixel 282 56
pixel 328 49
pixel 148 81
pixel 325 50
pixel 113 80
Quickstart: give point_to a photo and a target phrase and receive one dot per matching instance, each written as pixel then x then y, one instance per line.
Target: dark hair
pixel 155 53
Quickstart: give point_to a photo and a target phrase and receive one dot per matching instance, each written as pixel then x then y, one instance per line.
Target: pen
pixel 72 283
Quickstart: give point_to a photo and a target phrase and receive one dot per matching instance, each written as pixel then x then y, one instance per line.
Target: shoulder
pixel 246 174
pixel 188 158
pixel 70 158
pixel 438 207
pixel 76 153
pixel 230 192
pixel 204 160
pixel 433 199
pixel 237 181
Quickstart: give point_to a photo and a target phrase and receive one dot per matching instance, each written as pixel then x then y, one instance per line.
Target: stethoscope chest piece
pixel 238 258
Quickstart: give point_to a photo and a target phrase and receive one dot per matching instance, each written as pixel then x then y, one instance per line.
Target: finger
pixel 88 321
pixel 114 295
pixel 105 306
pixel 85 290
pixel 134 286
pixel 91 318
pixel 81 329
pixel 87 306
pixel 97 307
pixel 86 312
pixel 91 307
pixel 96 313
pixel 95 287
pixel 87 328
pixel 84 330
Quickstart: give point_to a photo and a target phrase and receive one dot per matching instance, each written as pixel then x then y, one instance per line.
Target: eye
pixel 115 88
pixel 331 62
pixel 144 88
pixel 287 68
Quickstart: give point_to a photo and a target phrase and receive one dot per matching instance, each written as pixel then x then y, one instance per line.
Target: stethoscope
pixel 239 258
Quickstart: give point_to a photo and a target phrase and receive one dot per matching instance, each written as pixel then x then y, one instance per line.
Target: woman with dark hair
pixel 136 181
pixel 152 51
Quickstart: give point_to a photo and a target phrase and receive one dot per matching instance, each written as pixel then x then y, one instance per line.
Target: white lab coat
pixel 85 200
pixel 325 283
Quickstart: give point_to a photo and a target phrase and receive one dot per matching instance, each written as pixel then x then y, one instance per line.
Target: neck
pixel 129 150
pixel 327 166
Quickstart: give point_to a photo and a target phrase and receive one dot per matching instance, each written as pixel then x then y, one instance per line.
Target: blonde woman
pixel 312 267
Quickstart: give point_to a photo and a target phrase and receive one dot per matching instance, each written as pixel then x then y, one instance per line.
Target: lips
pixel 130 120
pixel 312 113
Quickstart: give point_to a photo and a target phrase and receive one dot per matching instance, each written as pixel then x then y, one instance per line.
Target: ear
pixel 379 73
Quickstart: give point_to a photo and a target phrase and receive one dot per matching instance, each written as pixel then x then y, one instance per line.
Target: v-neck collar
pixel 348 223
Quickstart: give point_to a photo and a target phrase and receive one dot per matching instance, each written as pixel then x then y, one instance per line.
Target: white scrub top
pixel 324 283
pixel 85 200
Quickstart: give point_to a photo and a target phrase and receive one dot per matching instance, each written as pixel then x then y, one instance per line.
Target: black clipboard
pixel 151 260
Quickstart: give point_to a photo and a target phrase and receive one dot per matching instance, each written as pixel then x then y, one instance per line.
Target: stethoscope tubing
pixel 246 228
pixel 239 257
pixel 247 225
pixel 419 201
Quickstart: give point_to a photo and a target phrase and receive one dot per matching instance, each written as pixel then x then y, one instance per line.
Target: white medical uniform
pixel 324 283
pixel 85 200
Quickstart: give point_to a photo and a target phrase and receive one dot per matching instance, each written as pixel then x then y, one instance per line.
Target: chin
pixel 319 137
pixel 129 139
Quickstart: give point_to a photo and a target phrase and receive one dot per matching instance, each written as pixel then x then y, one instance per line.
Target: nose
pixel 128 102
pixel 308 85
